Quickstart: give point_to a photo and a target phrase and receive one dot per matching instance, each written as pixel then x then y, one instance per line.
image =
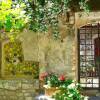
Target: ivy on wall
pixel 36 15
pixel 44 14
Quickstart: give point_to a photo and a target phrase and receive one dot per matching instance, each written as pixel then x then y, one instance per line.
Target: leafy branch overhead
pixel 12 16
pixel 36 15
pixel 44 14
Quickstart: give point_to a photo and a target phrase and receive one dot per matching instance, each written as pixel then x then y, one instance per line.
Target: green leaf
pixel 8 23
pixel 1 25
pixel 41 2
pixel 19 25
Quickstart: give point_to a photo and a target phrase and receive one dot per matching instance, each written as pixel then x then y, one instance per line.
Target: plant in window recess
pixel 66 89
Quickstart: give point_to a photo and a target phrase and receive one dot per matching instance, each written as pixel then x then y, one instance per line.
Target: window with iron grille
pixel 89 55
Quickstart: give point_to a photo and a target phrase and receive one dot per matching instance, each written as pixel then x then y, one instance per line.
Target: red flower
pixel 43 75
pixel 62 78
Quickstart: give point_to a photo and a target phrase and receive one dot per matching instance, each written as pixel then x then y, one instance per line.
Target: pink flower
pixel 43 75
pixel 62 78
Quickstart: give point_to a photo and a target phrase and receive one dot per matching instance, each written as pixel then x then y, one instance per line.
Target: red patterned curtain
pixel 97 49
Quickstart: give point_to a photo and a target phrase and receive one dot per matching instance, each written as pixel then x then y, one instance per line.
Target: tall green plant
pixel 12 17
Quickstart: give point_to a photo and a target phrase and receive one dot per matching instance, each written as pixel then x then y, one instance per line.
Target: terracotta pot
pixel 50 91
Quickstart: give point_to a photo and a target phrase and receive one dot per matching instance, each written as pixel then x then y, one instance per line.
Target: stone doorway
pixel 89 56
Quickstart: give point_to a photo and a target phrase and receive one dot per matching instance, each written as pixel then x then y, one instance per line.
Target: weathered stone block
pixel 12 85
pixel 27 86
pixel 21 98
pixel 1 85
pixel 20 94
pixel 13 90
pixel 27 94
pixel 29 98
pixel 13 98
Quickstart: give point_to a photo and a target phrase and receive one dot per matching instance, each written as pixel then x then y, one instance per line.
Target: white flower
pixel 86 98
pixel 44 97
pixel 70 95
pixel 56 87
pixel 49 4
pixel 46 86
pixel 73 81
pixel 22 12
pixel 77 84
pixel 48 82
pixel 71 86
pixel 17 6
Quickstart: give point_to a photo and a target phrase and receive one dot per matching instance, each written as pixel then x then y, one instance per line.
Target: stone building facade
pixel 59 56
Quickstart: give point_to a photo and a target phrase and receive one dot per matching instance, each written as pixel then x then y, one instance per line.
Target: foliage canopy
pixel 36 15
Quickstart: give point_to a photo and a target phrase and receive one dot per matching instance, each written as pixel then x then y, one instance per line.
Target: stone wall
pixel 59 56
pixel 81 18
pixel 17 89
pixel 53 55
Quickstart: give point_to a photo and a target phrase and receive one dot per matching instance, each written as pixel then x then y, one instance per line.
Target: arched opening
pixel 89 56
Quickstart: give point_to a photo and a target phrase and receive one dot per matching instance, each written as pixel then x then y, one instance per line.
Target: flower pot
pixel 50 91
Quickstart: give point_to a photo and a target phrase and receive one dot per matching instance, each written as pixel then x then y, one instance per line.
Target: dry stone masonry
pixel 18 89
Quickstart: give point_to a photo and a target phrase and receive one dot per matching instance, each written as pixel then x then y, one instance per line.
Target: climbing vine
pixel 37 15
pixel 44 14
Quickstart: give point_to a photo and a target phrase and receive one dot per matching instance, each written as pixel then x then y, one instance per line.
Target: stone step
pixel 94 98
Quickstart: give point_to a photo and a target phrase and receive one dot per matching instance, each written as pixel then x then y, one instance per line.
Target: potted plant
pixel 50 82
pixel 61 88
pixel 69 91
